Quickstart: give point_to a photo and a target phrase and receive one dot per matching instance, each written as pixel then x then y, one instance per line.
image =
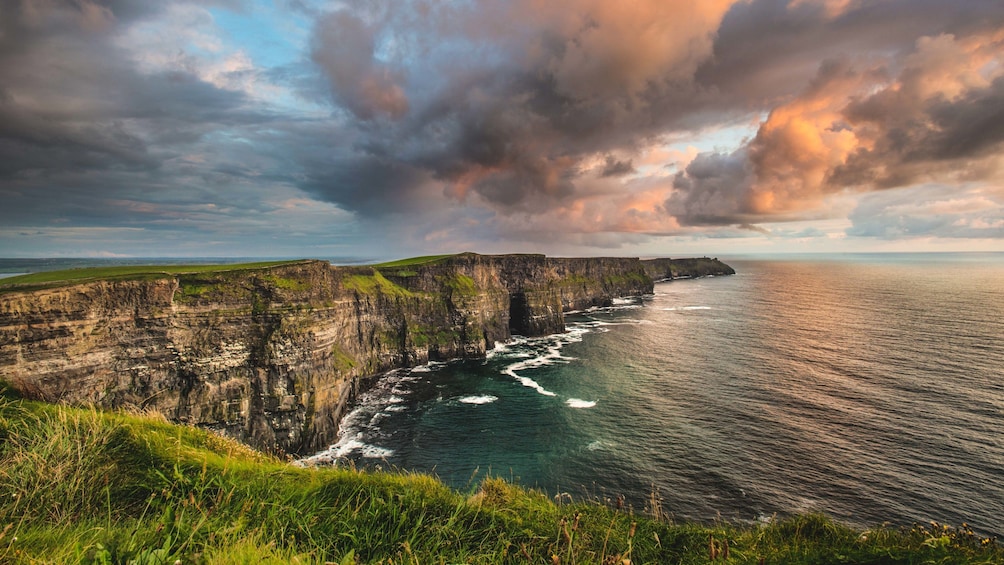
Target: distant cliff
pixel 272 356
pixel 669 269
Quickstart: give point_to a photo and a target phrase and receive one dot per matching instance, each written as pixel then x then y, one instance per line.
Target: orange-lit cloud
pixel 860 126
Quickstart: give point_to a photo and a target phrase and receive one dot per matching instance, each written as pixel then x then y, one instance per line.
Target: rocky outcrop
pixel 272 356
pixel 670 269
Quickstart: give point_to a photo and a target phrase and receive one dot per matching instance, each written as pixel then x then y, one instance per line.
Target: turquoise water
pixel 867 387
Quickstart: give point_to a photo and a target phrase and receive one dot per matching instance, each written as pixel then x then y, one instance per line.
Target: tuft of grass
pixel 343 361
pixel 285 283
pixel 460 284
pixel 376 284
pixel 92 487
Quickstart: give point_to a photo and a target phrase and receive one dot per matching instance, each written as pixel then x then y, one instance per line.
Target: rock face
pixel 669 269
pixel 273 356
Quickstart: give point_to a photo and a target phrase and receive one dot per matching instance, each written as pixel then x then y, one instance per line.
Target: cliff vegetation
pixel 95 487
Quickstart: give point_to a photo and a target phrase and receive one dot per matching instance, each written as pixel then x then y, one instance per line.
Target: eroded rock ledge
pixel 273 356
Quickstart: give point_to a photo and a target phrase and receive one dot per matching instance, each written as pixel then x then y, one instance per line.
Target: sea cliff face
pixel 273 356
pixel 669 269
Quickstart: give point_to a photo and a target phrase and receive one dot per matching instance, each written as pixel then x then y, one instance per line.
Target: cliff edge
pixel 273 355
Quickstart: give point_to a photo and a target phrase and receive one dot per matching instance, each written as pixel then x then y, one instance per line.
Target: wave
pixel 529 383
pixel 679 308
pixel 483 399
pixel 343 449
pixel 499 349
pixel 389 394
pixel 628 303
pixel 543 352
pixel 576 403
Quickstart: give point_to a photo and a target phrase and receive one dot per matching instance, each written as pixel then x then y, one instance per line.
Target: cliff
pixel 669 269
pixel 273 355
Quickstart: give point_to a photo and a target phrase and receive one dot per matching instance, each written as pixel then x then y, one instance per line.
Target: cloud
pixel 505 113
pixel 932 115
pixel 95 133
pixel 344 48
pixel 614 168
pixel 938 121
pixel 930 211
pixel 568 124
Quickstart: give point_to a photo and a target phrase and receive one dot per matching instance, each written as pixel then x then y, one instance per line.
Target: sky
pixel 393 128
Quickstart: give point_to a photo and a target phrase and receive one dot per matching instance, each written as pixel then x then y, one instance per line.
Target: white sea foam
pixel 428 367
pixel 374 452
pixel 499 349
pixel 483 399
pixel 595 445
pixel 346 446
pixel 529 383
pixel 545 351
pixel 600 326
pixel 576 403
pixel 388 395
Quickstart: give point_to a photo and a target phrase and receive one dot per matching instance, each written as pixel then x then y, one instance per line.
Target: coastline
pixel 274 354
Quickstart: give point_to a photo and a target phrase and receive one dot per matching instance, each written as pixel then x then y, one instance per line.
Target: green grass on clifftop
pixel 85 486
pixel 129 272
pixel 411 261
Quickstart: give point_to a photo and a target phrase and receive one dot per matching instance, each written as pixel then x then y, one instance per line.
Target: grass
pixel 376 284
pixel 93 487
pixel 460 284
pixel 424 335
pixel 343 361
pixel 68 276
pixel 424 260
pixel 626 278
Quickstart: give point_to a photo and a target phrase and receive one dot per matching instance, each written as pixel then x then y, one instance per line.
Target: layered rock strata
pixel 273 356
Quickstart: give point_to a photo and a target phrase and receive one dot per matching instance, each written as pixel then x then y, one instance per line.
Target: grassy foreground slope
pixel 85 486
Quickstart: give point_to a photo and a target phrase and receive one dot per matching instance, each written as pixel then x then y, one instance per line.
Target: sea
pixel 867 387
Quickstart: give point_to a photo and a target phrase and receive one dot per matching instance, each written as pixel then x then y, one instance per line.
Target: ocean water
pixel 867 387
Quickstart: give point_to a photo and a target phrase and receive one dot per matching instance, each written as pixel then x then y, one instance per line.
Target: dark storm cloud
pixel 344 48
pixel 57 76
pixel 711 190
pixel 123 127
pixel 515 112
pixel 766 50
pixel 614 168
pixel 923 139
pixel 369 185
pixel 542 90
